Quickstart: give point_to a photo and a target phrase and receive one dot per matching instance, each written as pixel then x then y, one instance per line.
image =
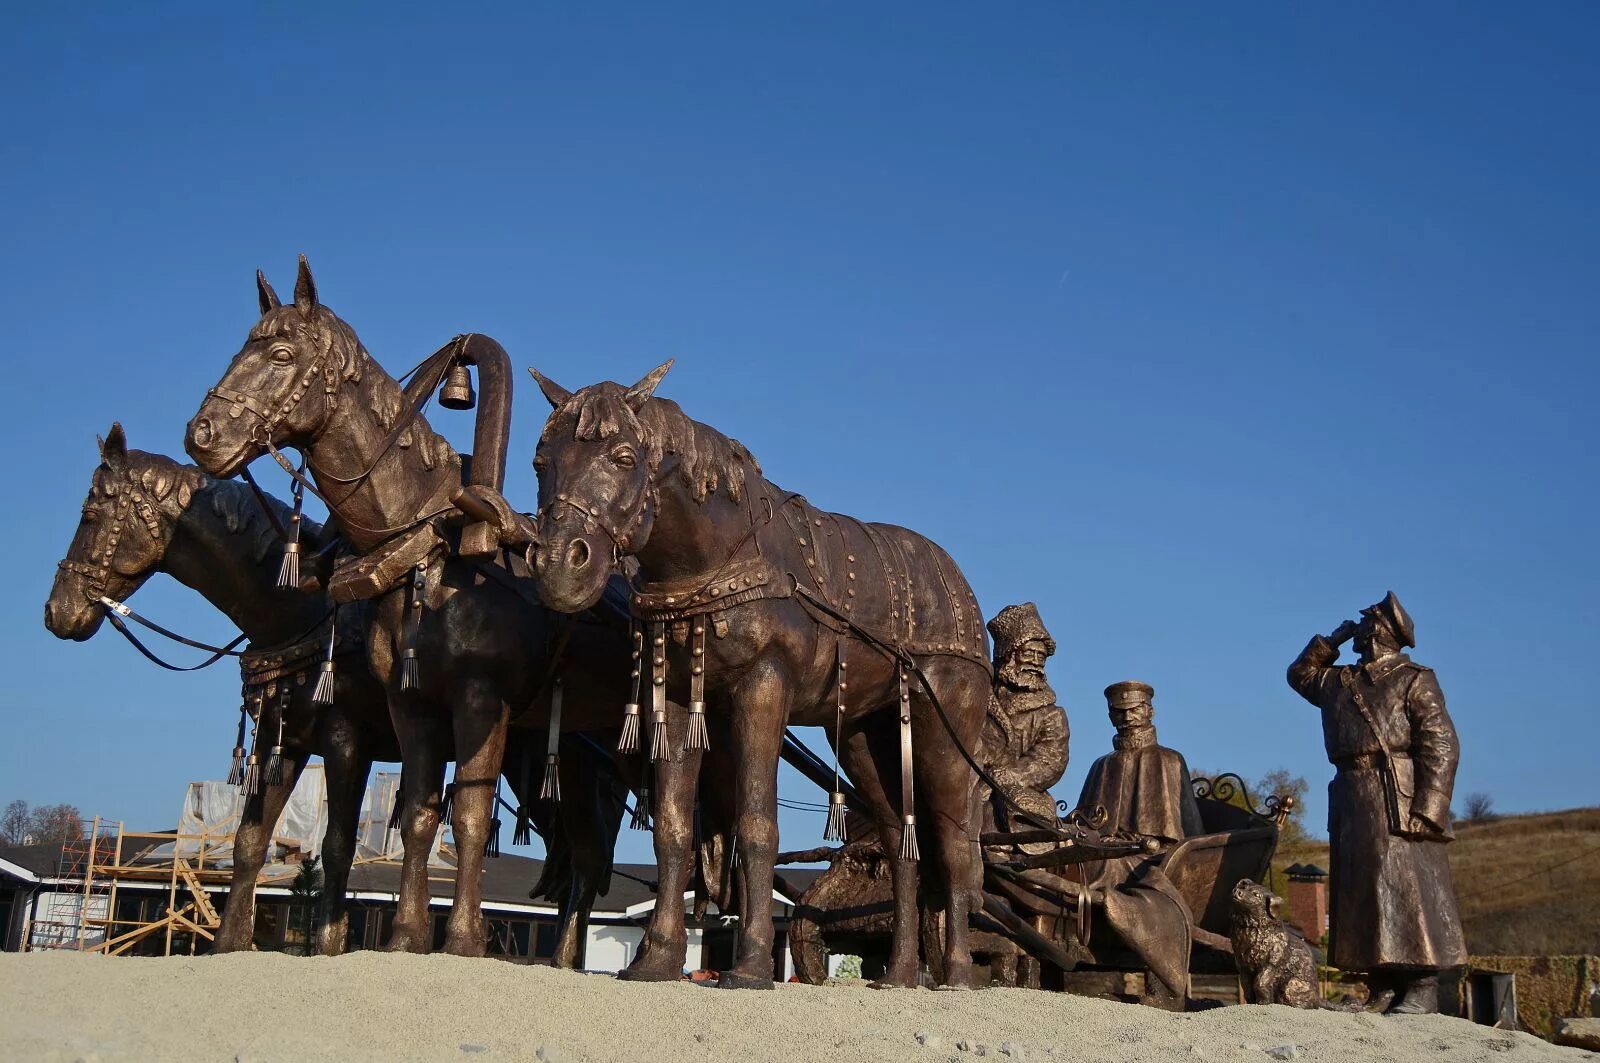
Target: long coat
pixel 1145 789
pixel 1392 902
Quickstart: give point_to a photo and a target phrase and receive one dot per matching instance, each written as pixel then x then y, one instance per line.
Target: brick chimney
pixel 1307 900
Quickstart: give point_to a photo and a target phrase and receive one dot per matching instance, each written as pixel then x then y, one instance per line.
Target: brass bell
pixel 457 394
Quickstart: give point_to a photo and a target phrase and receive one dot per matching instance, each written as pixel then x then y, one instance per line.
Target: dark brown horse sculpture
pixel 462 646
pixel 768 611
pixel 146 513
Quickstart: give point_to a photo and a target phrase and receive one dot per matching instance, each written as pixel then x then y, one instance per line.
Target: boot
pixel 1419 995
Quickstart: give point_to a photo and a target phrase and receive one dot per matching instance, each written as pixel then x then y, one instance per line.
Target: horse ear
pixel 305 289
pixel 114 447
pixel 640 393
pixel 264 293
pixel 557 395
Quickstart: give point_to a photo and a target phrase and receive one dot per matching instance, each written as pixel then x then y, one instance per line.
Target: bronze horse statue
pixel 762 611
pixel 146 513
pixel 460 643
pixel 215 538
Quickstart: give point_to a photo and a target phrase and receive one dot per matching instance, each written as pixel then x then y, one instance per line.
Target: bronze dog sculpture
pixel 760 610
pixel 1275 963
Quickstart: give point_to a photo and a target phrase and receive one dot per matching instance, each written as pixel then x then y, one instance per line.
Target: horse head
pixel 596 464
pixel 283 384
pixel 129 516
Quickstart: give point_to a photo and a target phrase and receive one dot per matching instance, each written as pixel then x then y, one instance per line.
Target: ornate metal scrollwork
pixel 1229 785
pixel 1089 819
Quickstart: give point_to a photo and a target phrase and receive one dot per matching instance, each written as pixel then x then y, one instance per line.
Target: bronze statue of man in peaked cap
pixel 1393 907
pixel 1144 787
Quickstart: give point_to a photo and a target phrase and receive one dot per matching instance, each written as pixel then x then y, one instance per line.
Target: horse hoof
pixel 891 983
pixel 642 973
pixel 950 988
pixel 735 980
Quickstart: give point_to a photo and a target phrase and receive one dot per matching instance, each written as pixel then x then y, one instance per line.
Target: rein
pixel 905 660
pixel 115 611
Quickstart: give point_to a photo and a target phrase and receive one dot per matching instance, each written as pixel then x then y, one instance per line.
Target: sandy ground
pixel 376 1006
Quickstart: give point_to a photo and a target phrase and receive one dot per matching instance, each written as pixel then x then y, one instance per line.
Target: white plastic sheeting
pixel 212 809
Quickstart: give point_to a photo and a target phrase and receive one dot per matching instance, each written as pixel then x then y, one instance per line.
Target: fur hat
pixel 1392 613
pixel 1129 693
pixel 1017 624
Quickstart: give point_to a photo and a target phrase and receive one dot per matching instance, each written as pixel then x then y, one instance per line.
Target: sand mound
pixel 376 1006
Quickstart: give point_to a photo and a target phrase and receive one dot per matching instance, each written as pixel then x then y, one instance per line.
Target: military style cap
pixel 1017 624
pixel 1392 613
pixel 1128 694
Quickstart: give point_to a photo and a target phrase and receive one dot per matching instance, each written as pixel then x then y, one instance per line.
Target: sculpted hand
pixel 1344 632
pixel 1421 824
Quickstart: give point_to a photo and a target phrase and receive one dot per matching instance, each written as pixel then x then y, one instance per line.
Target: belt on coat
pixel 1357 761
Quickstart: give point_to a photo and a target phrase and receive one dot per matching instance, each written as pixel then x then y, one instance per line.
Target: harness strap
pixel 115 610
pixel 116 622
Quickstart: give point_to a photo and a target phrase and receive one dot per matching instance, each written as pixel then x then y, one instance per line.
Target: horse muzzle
pixel 573 567
pixel 217 444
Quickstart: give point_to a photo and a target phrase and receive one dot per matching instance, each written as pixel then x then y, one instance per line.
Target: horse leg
pixel 760 702
pixel 583 822
pixel 250 841
pixel 665 946
pixel 944 786
pixel 868 745
pixel 346 776
pixel 480 725
pixel 422 783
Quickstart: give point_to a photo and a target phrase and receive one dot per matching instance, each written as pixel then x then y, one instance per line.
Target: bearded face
pixel 1023 667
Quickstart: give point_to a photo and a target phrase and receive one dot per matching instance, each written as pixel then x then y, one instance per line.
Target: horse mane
pixel 235 505
pixel 155 474
pixel 707 459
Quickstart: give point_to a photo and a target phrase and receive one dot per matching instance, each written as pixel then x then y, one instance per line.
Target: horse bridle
pixel 128 496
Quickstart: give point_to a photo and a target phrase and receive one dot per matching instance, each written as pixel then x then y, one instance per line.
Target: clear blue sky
pixel 1202 326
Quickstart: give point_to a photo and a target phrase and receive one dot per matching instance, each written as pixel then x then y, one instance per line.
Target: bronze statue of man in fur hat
pixel 1393 907
pixel 1144 787
pixel 1025 736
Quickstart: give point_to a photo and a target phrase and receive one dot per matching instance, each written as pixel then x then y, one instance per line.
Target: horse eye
pixel 91 516
pixel 623 456
pixel 541 462
pixel 282 355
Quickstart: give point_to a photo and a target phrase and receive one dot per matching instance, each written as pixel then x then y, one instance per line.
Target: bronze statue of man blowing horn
pixel 1393 913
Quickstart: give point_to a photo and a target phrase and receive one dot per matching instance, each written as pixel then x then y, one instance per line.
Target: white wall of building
pixel 611 948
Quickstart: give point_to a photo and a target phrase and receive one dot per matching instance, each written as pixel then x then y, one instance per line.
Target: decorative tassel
pixel 236 770
pixel 289 570
pixel 491 844
pixel 322 693
pixel 629 741
pixel 275 754
pixel 834 831
pixel 410 673
pixel 522 831
pixel 551 790
pixel 908 838
pixel 660 747
pixel 447 805
pixel 699 737
pixel 251 783
pixel 394 808
pixel 641 809
pixel 908 819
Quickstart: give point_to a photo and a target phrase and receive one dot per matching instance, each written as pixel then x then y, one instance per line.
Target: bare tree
pixel 1480 808
pixel 54 823
pixel 14 824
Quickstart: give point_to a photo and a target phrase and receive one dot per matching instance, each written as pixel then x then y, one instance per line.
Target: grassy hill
pixel 1529 885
